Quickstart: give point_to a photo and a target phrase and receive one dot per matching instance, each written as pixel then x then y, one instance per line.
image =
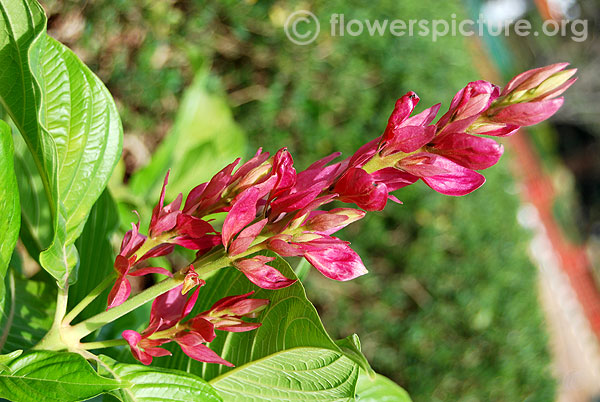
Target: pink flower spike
pixel 164 218
pixel 261 274
pixel 193 345
pixel 246 237
pixel 528 114
pixel 241 214
pixel 469 151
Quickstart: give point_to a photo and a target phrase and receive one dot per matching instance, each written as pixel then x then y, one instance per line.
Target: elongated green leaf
pixel 70 125
pixel 10 215
pixel 52 376
pixel 204 138
pixel 379 389
pixel 153 384
pixel 26 313
pixel 291 328
pixel 96 254
pixel 36 226
pixel 22 24
pixel 301 374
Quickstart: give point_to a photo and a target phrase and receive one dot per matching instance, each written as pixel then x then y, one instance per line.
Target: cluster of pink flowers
pixel 271 206
pixel 168 311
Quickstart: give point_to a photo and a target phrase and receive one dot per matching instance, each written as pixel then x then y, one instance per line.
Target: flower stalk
pixel 271 206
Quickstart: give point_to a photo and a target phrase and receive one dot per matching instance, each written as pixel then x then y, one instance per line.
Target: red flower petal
pixel 192 345
pixel 242 213
pixel 469 151
pixel 442 175
pixel 261 274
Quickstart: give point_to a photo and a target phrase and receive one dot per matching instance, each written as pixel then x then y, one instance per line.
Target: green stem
pixel 91 324
pixel 103 344
pixel 61 305
pixel 53 339
pixel 88 299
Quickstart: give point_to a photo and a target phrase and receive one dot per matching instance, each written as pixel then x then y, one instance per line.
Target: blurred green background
pixel 450 309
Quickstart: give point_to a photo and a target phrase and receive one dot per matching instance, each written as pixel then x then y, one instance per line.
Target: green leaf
pixel 96 255
pixel 83 120
pixel 144 385
pixel 302 374
pixel 36 218
pixel 380 389
pixel 10 218
pixel 52 376
pixel 26 313
pixel 68 120
pixel 291 336
pixel 204 138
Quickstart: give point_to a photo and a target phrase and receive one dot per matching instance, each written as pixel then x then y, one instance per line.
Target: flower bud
pixel 334 220
pixel 191 280
pixel 547 88
pixel 467 105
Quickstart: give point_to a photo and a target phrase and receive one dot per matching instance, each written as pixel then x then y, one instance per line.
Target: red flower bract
pixel 167 325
